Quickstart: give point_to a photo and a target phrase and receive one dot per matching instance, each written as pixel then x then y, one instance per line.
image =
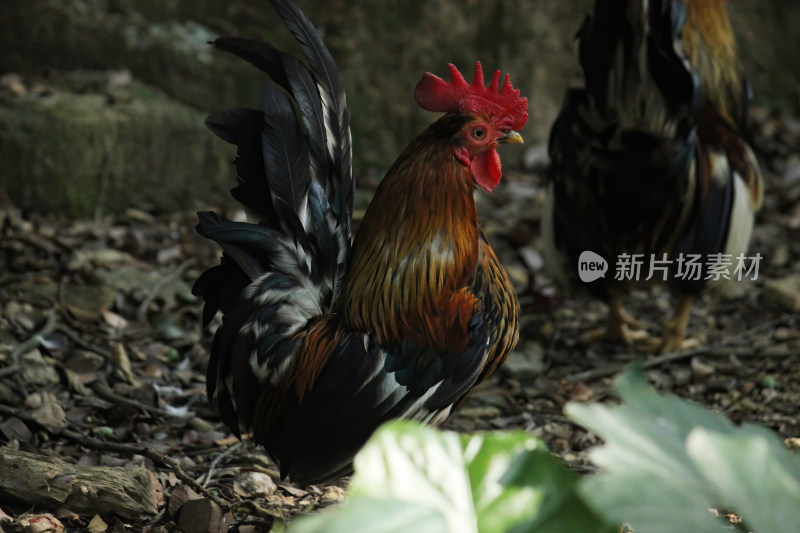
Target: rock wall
pixel 70 142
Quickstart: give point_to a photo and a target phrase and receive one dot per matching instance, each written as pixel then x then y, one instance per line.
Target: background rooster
pixel 649 156
pixel 321 341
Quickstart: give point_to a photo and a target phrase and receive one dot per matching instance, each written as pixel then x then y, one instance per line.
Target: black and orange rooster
pixel 649 158
pixel 322 339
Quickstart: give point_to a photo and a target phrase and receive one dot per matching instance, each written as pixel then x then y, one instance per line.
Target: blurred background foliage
pixel 102 101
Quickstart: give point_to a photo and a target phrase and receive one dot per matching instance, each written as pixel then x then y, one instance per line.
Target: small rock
pixel 700 369
pixel 153 371
pixel 46 410
pixel 36 371
pixel 38 523
pixel 784 293
pixel 178 497
pixel 254 485
pixel 187 463
pixel 200 516
pixel 337 494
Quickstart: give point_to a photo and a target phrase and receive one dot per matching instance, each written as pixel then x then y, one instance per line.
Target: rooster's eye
pixel 479 133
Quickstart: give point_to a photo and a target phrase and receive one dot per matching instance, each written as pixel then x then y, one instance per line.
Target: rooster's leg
pixel 621 327
pixel 675 329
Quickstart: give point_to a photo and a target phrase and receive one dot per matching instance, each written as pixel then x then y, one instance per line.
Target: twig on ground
pixel 9 370
pixel 219 458
pixel 74 337
pixel 141 312
pixel 33 340
pixel 254 509
pixel 101 389
pixel 715 349
pixel 126 449
pixel 271 472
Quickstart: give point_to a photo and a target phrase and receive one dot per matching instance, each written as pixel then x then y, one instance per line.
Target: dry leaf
pixel 122 364
pixel 97 525
pixel 14 428
pixel 179 496
pixel 114 320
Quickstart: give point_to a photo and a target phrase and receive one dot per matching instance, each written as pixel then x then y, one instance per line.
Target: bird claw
pixel 618 334
pixel 627 319
pixel 673 342
pixel 674 339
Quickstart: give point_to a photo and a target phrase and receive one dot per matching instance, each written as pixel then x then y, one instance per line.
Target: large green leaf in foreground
pixel 413 478
pixel 666 462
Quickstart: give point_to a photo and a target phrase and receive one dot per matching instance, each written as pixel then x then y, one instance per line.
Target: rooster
pixel 323 339
pixel 649 156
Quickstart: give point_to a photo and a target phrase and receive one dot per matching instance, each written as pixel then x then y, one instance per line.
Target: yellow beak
pixel 512 137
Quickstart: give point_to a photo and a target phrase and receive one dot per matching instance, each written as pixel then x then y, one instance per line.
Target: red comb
pixel 508 110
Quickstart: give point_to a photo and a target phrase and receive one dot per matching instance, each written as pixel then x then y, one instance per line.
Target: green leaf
pixel 372 515
pixel 561 508
pixel 487 457
pixel 753 473
pixel 410 463
pixel 413 477
pixel 666 462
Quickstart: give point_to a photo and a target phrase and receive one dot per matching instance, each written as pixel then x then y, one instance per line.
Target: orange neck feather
pixel 708 40
pixel 416 248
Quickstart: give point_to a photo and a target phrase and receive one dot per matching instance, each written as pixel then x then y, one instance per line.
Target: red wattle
pixel 486 169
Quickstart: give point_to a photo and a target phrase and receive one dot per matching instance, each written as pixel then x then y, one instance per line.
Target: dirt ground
pixel 102 358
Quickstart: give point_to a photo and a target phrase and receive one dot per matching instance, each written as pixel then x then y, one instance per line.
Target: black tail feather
pixel 293 76
pixel 283 270
pixel 336 116
pixel 243 128
pixel 286 155
pixel 611 44
pixel 624 142
pixel 260 54
pixel 293 161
